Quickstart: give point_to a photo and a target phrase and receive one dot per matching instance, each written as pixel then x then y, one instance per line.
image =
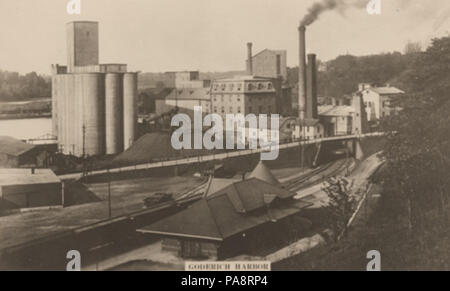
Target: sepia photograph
pixel 240 136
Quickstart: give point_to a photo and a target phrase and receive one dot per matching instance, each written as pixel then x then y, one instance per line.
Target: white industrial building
pixel 94 105
pixel 377 100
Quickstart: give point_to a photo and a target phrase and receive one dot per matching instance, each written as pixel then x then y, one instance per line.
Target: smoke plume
pixel 319 7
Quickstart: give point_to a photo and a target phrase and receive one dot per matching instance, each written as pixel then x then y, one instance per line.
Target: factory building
pixel 185 79
pixel 377 100
pixel 244 95
pixel 267 63
pixel 185 100
pixel 344 119
pixel 94 105
pixel 272 64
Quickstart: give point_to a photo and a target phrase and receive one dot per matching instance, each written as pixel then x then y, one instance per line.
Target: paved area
pixel 126 197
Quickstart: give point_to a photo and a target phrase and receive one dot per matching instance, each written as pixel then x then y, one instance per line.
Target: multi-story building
pixel 185 100
pixel 344 119
pixel 270 64
pixel 377 100
pixel 244 95
pixel 185 79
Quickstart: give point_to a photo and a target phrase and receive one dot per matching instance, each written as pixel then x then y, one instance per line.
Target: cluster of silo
pixel 94 105
pixel 97 112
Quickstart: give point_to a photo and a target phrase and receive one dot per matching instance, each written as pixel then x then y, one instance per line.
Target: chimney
pixel 302 72
pixel 249 59
pixel 311 95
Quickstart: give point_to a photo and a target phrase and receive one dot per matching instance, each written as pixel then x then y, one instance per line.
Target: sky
pixel 209 35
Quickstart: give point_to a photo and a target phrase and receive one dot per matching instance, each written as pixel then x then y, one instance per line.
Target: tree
pixel 417 150
pixel 341 204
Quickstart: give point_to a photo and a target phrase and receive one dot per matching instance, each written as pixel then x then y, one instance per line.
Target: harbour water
pixel 26 128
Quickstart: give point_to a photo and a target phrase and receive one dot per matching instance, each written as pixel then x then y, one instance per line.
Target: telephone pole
pixel 109 194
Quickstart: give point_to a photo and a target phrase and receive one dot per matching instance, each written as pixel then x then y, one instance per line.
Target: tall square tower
pixel 82 44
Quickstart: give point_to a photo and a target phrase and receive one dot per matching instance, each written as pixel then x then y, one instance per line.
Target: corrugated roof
pixel 263 173
pixel 232 210
pixel 13 147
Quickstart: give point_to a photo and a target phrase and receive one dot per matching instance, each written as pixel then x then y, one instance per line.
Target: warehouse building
pixel 29 188
pixel 17 154
pixel 94 105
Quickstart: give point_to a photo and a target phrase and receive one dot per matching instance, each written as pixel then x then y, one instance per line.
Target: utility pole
pixel 109 194
pixel 84 141
pixel 302 137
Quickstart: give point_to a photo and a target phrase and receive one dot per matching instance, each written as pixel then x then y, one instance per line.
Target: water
pixel 26 128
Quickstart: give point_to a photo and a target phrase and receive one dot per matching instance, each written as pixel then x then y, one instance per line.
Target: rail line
pixel 328 170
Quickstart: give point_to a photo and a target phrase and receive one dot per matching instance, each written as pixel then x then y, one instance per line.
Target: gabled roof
pixel 263 173
pixel 230 211
pixel 385 90
pixel 270 51
pixel 341 110
pixel 13 147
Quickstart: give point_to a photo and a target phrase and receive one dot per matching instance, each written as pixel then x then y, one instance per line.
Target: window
pixel 223 109
pixel 250 109
pixel 260 86
pixel 250 86
pixel 231 110
pixel 215 109
pixel 239 87
pixel 260 109
pixel 269 86
pixel 239 109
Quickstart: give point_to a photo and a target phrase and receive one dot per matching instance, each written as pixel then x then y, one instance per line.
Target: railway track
pixel 317 175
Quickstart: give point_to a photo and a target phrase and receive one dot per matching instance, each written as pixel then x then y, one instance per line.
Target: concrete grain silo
pixel 114 113
pixel 129 108
pixel 93 114
pixel 95 105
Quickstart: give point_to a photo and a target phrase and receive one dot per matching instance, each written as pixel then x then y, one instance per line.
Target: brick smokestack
pixel 249 59
pixel 302 72
pixel 311 94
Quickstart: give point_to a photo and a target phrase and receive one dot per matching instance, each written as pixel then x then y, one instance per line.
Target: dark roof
pixel 230 211
pixel 13 147
pixel 308 122
pixel 263 173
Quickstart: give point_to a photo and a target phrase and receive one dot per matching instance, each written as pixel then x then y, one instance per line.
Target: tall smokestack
pixel 311 96
pixel 249 59
pixel 302 72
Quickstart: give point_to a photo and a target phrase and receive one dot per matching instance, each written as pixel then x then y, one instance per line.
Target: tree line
pixel 17 87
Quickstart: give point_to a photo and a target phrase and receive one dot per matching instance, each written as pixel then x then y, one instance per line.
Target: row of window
pixel 232 110
pixel 238 98
pixel 238 86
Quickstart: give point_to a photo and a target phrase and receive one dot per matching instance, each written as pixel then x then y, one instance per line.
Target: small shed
pixel 29 188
